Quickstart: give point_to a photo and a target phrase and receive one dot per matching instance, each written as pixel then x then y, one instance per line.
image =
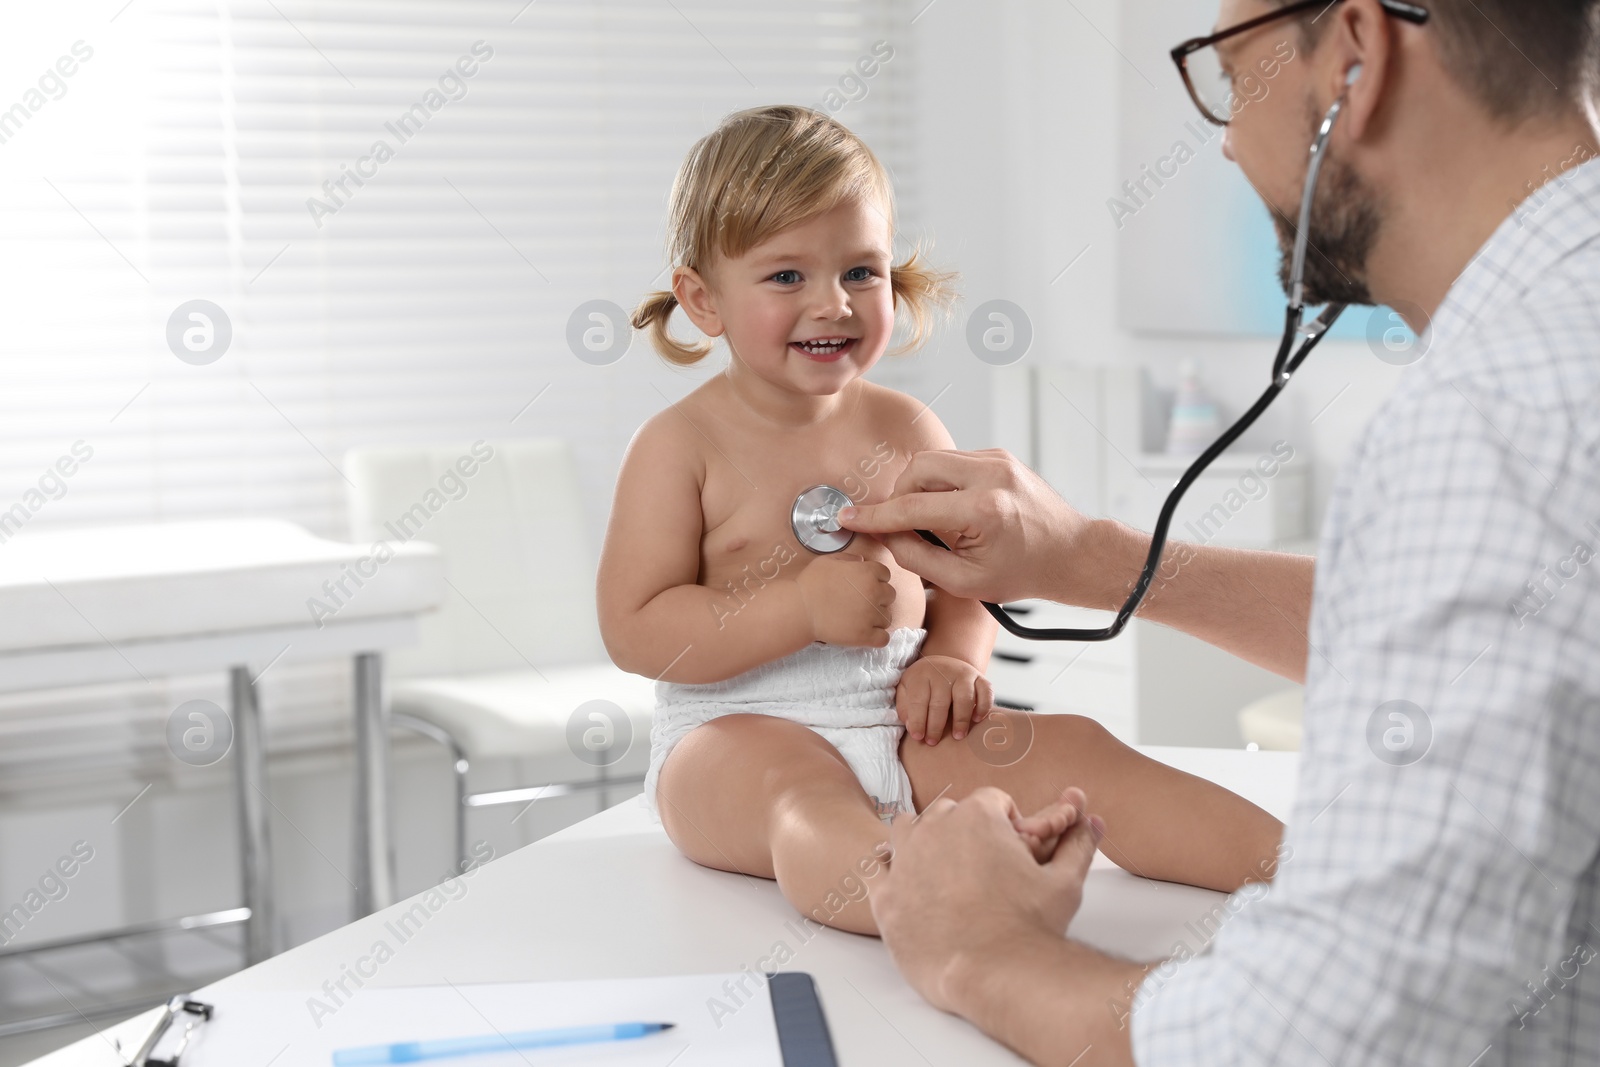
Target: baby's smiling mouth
pixel 825 348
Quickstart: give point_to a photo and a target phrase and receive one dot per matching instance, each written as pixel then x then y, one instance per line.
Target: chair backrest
pixel 508 518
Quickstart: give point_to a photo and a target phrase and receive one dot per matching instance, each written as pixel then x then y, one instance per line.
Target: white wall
pixel 1020 148
pixel 1021 144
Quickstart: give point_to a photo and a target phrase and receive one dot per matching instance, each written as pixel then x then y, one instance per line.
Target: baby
pixel 803 700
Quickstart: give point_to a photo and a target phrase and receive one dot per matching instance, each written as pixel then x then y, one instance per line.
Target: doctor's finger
pixel 1052 821
pixel 1075 851
pixel 990 803
pixel 940 471
pixel 1066 809
pixel 941 567
pixel 915 510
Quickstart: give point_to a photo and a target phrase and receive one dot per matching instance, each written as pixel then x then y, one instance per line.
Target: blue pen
pixel 441 1048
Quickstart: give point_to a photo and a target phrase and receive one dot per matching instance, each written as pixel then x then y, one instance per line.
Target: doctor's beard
pixel 1344 226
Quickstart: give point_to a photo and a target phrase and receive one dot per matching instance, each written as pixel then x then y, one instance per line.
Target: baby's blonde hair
pixel 760 172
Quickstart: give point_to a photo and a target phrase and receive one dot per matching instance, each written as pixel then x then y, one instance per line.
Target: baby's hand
pixel 936 688
pixel 847 600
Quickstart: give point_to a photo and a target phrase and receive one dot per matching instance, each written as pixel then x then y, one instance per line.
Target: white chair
pixel 506 663
pixel 1275 722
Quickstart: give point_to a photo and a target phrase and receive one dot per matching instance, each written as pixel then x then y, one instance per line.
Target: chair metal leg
pixel 255 843
pixel 602 783
pixel 458 763
pixel 374 848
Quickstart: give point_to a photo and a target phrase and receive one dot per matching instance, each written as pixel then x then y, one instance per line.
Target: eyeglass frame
pixel 1411 13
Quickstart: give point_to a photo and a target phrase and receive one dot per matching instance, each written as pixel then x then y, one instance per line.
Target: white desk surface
pixel 144 581
pixel 119 602
pixel 611 897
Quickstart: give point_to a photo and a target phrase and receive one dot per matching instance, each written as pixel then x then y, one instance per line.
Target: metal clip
pixel 197 1012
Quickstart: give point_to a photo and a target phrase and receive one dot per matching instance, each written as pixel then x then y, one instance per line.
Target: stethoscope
pixel 815 515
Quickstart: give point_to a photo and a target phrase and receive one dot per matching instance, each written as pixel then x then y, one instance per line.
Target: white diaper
pixel 843 693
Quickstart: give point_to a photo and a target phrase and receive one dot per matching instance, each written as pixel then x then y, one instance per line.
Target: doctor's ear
pixel 695 297
pixel 1359 46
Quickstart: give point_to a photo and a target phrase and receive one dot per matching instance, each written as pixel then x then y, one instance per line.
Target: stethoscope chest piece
pixel 815 519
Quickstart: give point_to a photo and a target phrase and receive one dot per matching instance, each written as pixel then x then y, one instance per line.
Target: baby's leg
pixel 760 795
pixel 1160 822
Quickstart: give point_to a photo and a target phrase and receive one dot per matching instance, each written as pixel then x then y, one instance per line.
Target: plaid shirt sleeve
pixel 1438 895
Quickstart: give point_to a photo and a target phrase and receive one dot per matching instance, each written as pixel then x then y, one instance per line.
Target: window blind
pixel 392 208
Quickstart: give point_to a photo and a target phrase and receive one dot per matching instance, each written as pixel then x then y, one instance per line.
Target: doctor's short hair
pixel 1521 59
pixel 758 173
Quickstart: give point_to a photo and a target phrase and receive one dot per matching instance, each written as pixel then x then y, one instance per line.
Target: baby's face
pixel 810 309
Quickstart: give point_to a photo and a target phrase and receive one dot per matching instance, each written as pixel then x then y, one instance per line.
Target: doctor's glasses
pixel 1220 88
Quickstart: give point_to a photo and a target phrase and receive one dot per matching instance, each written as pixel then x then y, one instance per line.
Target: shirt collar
pixel 1557 218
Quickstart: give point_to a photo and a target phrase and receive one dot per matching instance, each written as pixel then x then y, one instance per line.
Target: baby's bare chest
pixel 750 488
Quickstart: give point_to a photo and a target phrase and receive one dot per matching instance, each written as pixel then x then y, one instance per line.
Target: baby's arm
pixel 654 618
pixel 960 628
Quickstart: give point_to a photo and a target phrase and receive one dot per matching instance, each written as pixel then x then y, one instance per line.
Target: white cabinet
pixel 1096 434
pixel 1244 501
pixel 1096 680
pixel 1151 685
pixel 1098 430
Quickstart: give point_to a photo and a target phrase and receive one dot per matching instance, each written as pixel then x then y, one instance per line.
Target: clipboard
pixel 195 1033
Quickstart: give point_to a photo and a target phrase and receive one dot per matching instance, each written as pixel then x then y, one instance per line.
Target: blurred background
pixel 286 261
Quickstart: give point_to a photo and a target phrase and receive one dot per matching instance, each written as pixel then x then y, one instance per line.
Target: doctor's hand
pixel 936 689
pixel 969 880
pixel 1014 537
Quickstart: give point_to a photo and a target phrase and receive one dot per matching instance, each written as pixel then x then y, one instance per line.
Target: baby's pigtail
pixel 653 314
pixel 926 294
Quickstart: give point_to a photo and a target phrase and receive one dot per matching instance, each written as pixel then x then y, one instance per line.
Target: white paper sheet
pixel 715 1027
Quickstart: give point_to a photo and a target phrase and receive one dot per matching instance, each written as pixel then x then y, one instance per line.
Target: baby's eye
pixel 859 274
pixel 785 277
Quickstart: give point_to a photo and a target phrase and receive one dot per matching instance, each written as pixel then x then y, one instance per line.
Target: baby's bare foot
pixel 1042 831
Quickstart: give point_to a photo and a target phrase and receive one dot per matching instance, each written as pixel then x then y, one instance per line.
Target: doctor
pixel 1438 899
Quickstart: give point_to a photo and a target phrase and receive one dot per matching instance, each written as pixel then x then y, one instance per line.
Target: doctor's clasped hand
pixel 955 853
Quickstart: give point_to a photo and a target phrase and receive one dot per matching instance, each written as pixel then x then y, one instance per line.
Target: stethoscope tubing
pixel 1158 537
pixel 1284 366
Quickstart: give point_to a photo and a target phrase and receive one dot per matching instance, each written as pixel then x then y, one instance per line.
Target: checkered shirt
pixel 1437 899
